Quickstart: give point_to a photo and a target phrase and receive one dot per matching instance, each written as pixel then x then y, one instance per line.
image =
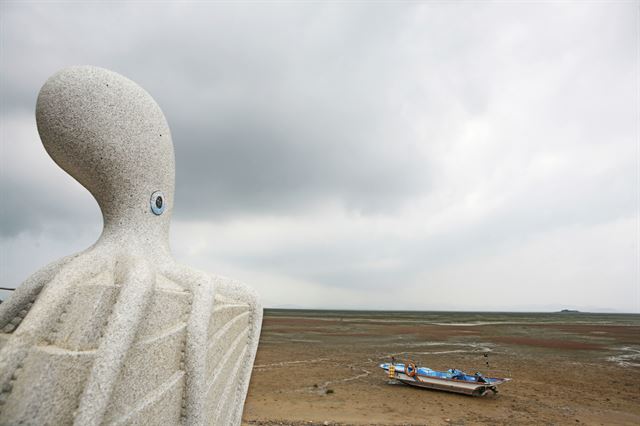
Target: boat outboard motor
pixel 480 378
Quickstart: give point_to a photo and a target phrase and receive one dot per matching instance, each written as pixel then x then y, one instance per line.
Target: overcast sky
pixel 415 155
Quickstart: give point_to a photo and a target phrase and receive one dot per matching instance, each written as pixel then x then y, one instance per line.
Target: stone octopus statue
pixel 120 333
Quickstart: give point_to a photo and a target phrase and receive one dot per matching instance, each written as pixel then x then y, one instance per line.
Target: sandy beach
pixel 320 368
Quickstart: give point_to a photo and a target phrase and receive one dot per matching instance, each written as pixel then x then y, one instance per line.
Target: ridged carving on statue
pixel 120 333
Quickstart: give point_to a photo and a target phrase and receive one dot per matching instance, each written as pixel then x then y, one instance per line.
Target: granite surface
pixel 120 333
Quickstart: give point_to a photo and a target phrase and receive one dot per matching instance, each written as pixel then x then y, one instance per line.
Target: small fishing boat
pixel 452 380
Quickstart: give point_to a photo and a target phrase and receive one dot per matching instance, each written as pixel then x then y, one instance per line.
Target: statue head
pixel 110 135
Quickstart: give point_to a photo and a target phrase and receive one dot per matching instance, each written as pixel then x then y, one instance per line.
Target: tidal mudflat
pixel 320 367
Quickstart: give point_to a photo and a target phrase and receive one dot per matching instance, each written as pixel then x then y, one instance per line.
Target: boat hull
pixel 474 389
pixel 426 381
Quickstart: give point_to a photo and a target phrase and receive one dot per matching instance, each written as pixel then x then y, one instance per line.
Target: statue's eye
pixel 158 202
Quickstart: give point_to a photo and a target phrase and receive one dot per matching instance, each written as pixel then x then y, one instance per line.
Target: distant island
pixel 569 311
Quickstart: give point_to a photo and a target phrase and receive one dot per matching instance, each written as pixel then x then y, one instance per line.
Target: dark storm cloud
pixel 26 206
pixel 246 163
pixel 21 211
pixel 266 114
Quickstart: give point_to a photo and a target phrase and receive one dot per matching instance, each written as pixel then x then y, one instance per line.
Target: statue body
pixel 120 333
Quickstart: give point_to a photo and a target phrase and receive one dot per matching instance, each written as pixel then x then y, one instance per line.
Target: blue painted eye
pixel 158 202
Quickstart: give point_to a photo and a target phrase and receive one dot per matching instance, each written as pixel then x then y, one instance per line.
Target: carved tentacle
pixel 203 291
pixel 25 295
pixel 54 295
pixel 134 298
pixel 239 292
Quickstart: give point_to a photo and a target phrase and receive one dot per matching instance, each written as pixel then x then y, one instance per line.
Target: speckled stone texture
pixel 120 333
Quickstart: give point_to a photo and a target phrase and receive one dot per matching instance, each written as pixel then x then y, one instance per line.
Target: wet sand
pixel 322 368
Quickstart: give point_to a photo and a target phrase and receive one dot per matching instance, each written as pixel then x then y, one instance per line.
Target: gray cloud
pixel 506 122
pixel 260 123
